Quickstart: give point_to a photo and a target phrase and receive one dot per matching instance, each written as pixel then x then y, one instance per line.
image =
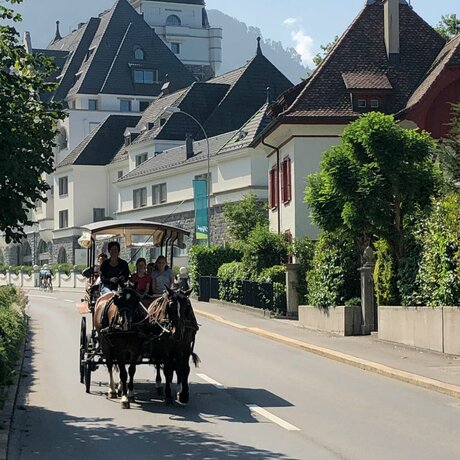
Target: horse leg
pixel 158 383
pixel 131 371
pixel 169 372
pixel 112 393
pixel 183 374
pixel 124 387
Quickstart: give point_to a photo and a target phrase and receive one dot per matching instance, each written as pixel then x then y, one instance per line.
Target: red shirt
pixel 142 281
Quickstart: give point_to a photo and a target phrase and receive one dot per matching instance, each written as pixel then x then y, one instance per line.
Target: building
pixel 390 60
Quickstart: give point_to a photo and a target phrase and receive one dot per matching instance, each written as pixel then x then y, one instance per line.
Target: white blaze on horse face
pixel 125 322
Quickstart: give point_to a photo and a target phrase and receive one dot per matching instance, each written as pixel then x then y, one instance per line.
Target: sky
pixel 301 24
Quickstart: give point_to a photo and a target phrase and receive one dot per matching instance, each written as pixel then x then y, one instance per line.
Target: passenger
pixel 113 270
pixel 162 276
pixel 141 279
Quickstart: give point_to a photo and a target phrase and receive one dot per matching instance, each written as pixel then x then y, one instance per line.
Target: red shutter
pixel 276 187
pixel 283 181
pixel 288 180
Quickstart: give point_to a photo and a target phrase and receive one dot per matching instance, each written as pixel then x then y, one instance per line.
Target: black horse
pixel 174 331
pixel 116 320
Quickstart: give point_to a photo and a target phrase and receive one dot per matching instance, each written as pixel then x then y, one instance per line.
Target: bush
pixel 264 249
pixel 277 276
pixel 12 331
pixel 439 274
pixel 231 276
pixel 303 249
pixel 205 261
pixel 334 278
pixel 385 275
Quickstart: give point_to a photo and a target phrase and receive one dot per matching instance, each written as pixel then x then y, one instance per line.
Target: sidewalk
pixel 423 368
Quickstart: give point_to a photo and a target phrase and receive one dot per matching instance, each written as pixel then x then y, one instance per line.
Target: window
pixel 120 174
pixel 159 193
pixel 63 186
pixel 98 214
pixel 140 159
pixel 139 198
pixel 273 188
pixel 61 140
pixel 63 219
pixel 145 76
pixel 125 105
pixel 92 104
pixel 173 20
pixel 286 180
pixel 175 48
pixel 143 105
pixel 139 54
pixel 362 103
pixel 375 104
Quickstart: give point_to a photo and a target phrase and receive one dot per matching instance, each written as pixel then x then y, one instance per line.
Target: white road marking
pixel 253 407
pixel 70 301
pixel 42 296
pixel 211 381
pixel 273 418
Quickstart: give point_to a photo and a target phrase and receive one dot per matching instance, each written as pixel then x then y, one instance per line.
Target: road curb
pixel 397 374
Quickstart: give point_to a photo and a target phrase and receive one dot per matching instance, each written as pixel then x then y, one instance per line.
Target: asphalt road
pixel 251 398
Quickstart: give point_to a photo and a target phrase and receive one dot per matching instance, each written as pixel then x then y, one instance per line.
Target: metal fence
pixel 252 293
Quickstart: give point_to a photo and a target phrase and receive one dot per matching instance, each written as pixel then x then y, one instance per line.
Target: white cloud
pixel 304 46
pixel 291 21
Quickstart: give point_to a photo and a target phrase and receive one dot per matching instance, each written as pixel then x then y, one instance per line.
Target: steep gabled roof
pixel 362 49
pixel 100 146
pixel 449 57
pixel 247 93
pixel 101 56
pixel 177 156
pixel 249 131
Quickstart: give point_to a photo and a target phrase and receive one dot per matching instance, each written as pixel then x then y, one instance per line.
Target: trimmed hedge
pixel 12 331
pixel 231 276
pixel 277 276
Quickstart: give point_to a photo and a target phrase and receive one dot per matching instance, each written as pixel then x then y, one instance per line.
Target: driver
pixel 113 270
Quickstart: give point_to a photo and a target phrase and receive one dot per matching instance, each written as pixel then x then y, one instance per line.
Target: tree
pixel 27 128
pixel 245 215
pixel 449 152
pixel 319 58
pixel 448 26
pixel 367 185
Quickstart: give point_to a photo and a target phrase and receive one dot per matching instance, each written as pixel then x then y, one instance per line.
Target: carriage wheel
pixel 87 377
pixel 83 348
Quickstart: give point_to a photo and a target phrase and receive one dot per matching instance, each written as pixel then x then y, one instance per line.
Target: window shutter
pixel 288 180
pixel 283 181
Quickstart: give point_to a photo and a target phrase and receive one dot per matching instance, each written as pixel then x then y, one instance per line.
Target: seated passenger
pixel 113 270
pixel 162 276
pixel 141 279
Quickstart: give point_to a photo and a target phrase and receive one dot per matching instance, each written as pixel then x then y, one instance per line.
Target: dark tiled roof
pixel 366 80
pixel 101 58
pixel 362 49
pixel 177 156
pixel 186 2
pixel 448 57
pixel 99 147
pixel 249 131
pixel 247 94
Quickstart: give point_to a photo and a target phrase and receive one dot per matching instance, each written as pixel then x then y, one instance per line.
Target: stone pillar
pixel 367 293
pixel 36 275
pixel 73 273
pixel 292 295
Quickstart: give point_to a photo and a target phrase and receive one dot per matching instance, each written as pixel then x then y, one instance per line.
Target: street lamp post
pixel 171 109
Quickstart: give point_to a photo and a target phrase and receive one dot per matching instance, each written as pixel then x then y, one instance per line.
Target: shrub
pixel 385 275
pixel 12 331
pixel 334 278
pixel 264 249
pixel 439 274
pixel 205 261
pixel 231 276
pixel 303 250
pixel 277 276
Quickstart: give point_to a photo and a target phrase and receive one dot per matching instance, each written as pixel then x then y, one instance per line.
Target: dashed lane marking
pixel 70 301
pixel 42 296
pixel 273 418
pixel 211 381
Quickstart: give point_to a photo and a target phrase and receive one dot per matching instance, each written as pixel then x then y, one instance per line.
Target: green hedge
pixel 12 331
pixel 334 278
pixel 277 276
pixel 231 276
pixel 205 261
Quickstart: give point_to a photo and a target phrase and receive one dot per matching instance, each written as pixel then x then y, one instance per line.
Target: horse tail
pixel 196 360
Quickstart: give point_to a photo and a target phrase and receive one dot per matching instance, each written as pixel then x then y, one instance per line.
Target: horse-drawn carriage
pixel 125 329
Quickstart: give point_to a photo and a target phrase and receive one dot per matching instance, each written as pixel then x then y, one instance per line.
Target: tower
pixel 184 27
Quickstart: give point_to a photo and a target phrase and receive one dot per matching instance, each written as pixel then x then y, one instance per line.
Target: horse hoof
pixel 112 395
pixel 183 399
pixel 125 405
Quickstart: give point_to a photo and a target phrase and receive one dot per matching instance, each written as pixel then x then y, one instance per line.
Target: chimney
pixel 391 26
pixel 189 146
pixel 27 42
